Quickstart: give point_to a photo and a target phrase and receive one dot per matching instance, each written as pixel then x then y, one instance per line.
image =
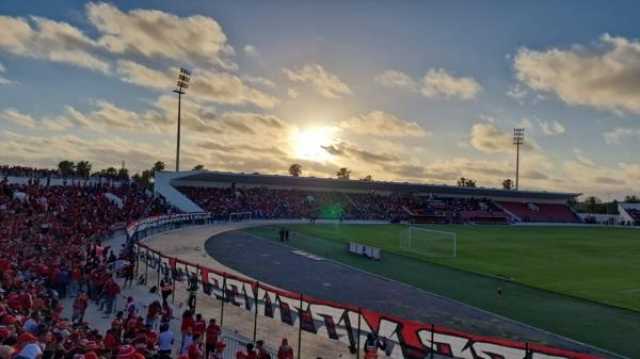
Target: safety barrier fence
pixel 344 325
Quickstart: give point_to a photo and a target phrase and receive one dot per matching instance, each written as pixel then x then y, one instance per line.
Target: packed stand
pixel 22 171
pixel 266 203
pixel 48 252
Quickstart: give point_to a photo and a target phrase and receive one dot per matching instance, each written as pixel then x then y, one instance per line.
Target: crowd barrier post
pixel 527 354
pixel 146 270
pixel 159 270
pixel 255 317
pixel 224 295
pixel 300 328
pixel 195 296
pixel 358 338
pixel 433 329
pixel 173 290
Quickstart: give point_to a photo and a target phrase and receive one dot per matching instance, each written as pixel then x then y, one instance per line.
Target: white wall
pixel 162 185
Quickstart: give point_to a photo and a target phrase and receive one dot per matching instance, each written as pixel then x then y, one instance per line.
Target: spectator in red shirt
pixel 199 325
pixel 195 349
pixel 249 353
pixel 285 351
pixel 213 332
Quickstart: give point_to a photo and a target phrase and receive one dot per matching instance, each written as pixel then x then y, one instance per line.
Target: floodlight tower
pixel 184 76
pixel 518 139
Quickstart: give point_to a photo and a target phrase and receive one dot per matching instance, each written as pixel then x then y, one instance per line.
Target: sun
pixel 307 143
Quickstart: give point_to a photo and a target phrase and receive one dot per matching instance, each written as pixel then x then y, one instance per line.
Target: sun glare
pixel 308 143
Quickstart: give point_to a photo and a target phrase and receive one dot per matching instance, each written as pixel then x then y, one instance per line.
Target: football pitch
pixel 580 282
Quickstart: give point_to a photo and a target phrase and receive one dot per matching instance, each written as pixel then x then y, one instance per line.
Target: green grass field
pixel 583 283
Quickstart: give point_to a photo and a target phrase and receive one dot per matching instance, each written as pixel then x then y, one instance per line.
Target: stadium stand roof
pixel 193 177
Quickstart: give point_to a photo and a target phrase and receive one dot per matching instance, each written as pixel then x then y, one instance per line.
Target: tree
pixel 123 174
pixel 83 168
pixel 593 204
pixel 146 177
pixel 110 172
pixel 367 178
pixel 343 173
pixel 66 168
pixel 295 170
pixel 198 168
pixel 466 182
pixel 507 184
pixel 631 199
pixel 158 166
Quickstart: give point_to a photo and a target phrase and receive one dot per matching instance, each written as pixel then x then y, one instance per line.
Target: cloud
pixel 151 33
pixel 517 92
pixel 292 93
pixel 324 82
pixel 259 80
pixel 605 76
pixel 396 79
pixel 243 148
pixel 41 38
pixel 47 151
pixel 346 150
pixel 582 158
pixel 380 123
pixel 14 116
pixel 251 51
pixel 4 81
pixel 619 135
pixel 553 128
pixel 220 87
pixel 138 74
pixel 206 121
pixel 488 138
pixel 439 83
pixel 631 171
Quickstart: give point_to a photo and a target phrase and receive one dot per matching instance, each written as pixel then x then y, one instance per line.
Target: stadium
pixel 406 180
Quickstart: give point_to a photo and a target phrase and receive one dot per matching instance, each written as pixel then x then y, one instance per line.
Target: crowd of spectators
pixel 266 203
pixel 50 249
pixel 22 171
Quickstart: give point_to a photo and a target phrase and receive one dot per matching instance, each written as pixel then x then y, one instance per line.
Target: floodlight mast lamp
pixel 184 76
pixel 518 139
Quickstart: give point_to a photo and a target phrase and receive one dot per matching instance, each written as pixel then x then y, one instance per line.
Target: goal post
pixel 428 242
pixel 240 216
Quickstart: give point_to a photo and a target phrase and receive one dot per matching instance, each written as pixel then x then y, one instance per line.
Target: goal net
pixel 429 242
pixel 239 216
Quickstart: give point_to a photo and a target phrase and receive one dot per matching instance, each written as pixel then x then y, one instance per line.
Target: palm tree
pixel 343 173
pixel 66 168
pixel 83 168
pixel 295 170
pixel 123 173
pixel 632 199
pixel 466 182
pixel 158 166
pixel 367 178
pixel 507 184
pixel 198 168
pixel 110 172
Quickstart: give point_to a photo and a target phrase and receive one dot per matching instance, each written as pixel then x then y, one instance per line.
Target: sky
pixel 405 91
